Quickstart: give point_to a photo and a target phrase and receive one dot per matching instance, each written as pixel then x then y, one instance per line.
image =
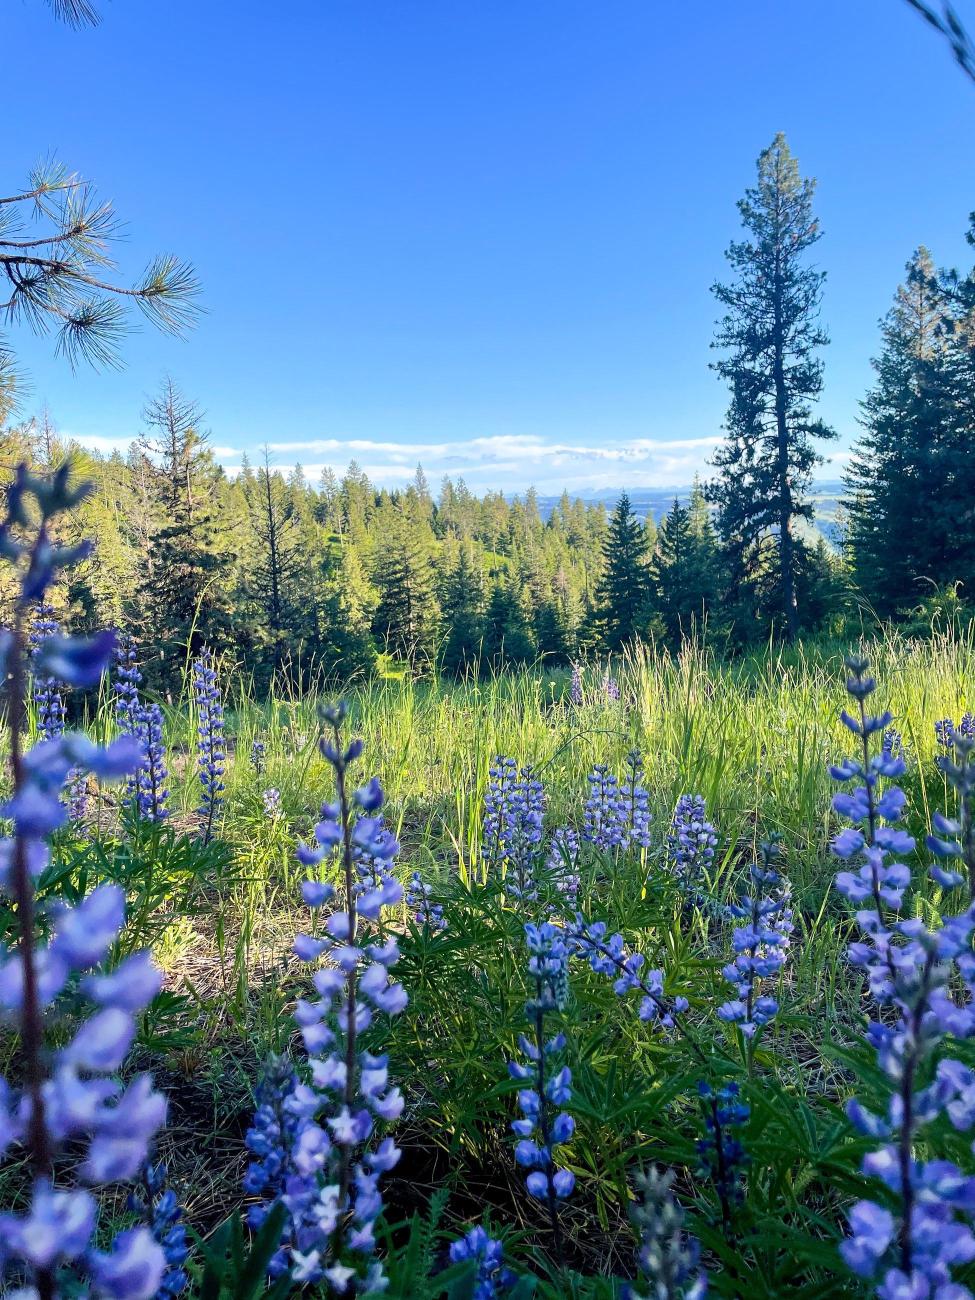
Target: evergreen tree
pixel 462 607
pixel 406 615
pixel 771 334
pixel 684 568
pixel 623 595
pixel 507 638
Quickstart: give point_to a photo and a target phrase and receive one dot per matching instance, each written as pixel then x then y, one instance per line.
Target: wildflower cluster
pixel 73 1096
pixel 923 980
pixel 311 1139
pixel 491 1278
pixel 945 730
pixel 668 1259
pixel 721 1152
pixel 211 755
pixel 540 1129
pixel 760 945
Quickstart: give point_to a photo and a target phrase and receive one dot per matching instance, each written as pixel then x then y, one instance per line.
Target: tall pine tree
pixel 771 334
pixel 623 594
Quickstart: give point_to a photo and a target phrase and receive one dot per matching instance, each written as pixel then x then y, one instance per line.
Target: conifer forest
pixel 415 889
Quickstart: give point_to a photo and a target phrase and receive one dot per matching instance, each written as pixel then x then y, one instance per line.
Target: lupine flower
pixel 492 1277
pixel 157 1207
pixel 78 796
pixel 691 841
pixel 611 688
pixel 513 808
pixel 722 1155
pixel 271 799
pixel 74 1097
pixel 760 945
pixel 667 1257
pixel 312 1139
pixel 924 980
pixel 540 1129
pixel 955 836
pixel 608 955
pixel 892 743
pixel 562 864
pixel 943 730
pixel 576 696
pixel 126 680
pixel 48 699
pixel 636 801
pixel 604 818
pixel 210 745
pixel 258 757
pixel 151 791
pixel 426 914
pixel 502 778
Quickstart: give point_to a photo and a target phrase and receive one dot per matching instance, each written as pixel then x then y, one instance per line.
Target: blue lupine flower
pixel 542 1127
pixel 258 756
pixel 514 804
pixel 271 799
pixel 667 1257
pixel 636 801
pixel 722 1155
pixel 425 913
pixel 605 815
pixel 611 688
pixel 311 1140
pixel 151 793
pixel 607 955
pixel 955 836
pixel 73 1096
pixel 48 699
pixel 924 980
pixel 691 841
pixel 492 1277
pixel 576 696
pixel 211 755
pixel 126 680
pixel 562 864
pixel 760 945
pixel 157 1207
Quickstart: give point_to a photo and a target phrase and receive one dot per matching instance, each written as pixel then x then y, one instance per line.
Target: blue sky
pixel 481 234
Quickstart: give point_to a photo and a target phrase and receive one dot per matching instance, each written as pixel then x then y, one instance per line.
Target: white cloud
pixel 98 442
pixel 511 462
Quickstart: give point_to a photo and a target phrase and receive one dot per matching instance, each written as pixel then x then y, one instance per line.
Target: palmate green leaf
pixel 234 1269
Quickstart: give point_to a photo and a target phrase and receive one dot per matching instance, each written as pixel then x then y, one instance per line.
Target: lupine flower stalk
pixel 258 757
pixel 607 954
pixel 311 1139
pixel 48 699
pixel 540 1129
pixel 636 801
pixel 211 755
pixel 923 980
pixel 576 696
pixel 73 1097
pixel 604 817
pixel 955 836
pixel 721 1152
pixel 155 1205
pixel 514 804
pixel 668 1259
pixel 562 864
pixel 492 1278
pixel 691 842
pixel 126 680
pixel 425 913
pixel 760 945
pixel 151 793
